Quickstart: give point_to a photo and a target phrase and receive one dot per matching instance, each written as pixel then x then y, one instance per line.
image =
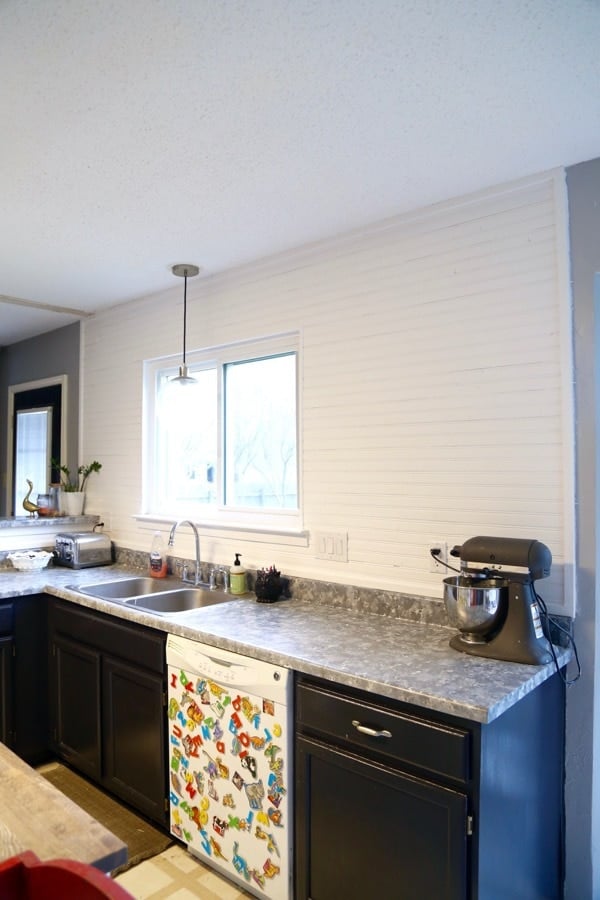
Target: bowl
pixel 30 560
pixel 474 605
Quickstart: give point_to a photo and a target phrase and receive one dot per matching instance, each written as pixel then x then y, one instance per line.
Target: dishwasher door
pixel 230 753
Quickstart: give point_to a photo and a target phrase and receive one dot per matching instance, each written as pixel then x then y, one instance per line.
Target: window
pixel 33 431
pixel 224 450
pixel 37 434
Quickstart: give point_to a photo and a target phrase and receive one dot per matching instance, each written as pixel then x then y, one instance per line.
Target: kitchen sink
pixel 154 595
pixel 125 587
pixel 178 600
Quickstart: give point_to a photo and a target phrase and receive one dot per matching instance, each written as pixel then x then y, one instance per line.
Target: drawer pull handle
pixel 371 732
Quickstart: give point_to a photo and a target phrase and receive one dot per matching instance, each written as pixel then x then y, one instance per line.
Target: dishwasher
pixel 230 757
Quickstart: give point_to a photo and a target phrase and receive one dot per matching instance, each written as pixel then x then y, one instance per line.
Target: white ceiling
pixel 143 133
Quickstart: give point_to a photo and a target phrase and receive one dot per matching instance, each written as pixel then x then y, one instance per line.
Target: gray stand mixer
pixel 496 610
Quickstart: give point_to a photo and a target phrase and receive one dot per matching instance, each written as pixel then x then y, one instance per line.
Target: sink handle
pixel 225 573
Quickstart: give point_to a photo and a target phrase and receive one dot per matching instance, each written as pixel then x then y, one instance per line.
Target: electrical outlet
pixel 435 567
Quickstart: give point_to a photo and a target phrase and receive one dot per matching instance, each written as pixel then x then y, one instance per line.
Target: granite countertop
pixel 42 522
pixel 392 657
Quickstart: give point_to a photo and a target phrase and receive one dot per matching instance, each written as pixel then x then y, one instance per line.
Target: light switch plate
pixel 331 545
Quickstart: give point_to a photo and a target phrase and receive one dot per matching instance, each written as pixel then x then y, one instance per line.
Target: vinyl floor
pixel 176 875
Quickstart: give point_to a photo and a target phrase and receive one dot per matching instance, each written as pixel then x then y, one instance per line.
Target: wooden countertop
pixel 34 815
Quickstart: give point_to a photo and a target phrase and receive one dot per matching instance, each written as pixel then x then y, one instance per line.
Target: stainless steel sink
pixel 125 587
pixel 178 600
pixel 154 595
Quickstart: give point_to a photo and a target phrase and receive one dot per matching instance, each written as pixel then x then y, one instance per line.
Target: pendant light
pixel 185 271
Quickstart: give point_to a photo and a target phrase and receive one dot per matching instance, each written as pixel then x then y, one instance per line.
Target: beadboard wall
pixel 436 380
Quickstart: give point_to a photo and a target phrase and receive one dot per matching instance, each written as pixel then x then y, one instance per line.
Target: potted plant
pixel 270 586
pixel 73 486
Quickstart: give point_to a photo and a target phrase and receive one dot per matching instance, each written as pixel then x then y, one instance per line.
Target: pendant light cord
pixel 185 271
pixel 185 278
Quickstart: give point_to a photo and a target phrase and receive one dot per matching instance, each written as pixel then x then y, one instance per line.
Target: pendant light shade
pixel 185 271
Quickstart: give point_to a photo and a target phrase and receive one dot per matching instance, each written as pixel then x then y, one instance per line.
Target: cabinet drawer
pixel 132 642
pixel 374 728
pixel 6 617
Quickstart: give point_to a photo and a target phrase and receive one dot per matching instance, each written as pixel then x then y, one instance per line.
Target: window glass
pixel 225 448
pixel 186 445
pixel 260 433
pixel 32 457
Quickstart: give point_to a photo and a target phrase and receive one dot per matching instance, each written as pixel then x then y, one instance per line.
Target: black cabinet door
pixel 6 690
pixel 366 830
pixel 75 702
pixel 134 736
pixel 31 678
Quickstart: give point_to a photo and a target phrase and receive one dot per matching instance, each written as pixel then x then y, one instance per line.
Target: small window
pixel 33 434
pixel 225 448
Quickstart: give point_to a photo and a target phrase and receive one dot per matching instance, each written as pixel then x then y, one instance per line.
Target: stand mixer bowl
pixel 475 605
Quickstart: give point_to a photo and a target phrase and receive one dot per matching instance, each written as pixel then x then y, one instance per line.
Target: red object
pixel 25 877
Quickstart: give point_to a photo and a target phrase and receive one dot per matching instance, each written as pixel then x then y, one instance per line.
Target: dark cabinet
pixel 6 690
pixel 397 801
pixel 107 702
pixel 76 707
pixel 23 676
pixel 6 673
pixel 374 832
pixel 133 727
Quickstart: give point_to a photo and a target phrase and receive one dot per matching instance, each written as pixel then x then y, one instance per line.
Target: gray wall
pixel 583 751
pixel 54 353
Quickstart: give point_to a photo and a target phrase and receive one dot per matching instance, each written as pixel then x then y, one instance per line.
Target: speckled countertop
pixel 392 657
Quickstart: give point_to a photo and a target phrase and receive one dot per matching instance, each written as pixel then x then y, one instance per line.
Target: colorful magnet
pixel 255 793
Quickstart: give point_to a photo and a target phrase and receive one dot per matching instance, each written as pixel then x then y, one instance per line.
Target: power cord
pixel 436 552
pixel 551 621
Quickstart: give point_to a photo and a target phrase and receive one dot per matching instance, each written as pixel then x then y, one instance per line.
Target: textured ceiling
pixel 140 134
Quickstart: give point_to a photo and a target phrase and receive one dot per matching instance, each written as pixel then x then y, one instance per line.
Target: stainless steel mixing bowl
pixel 474 605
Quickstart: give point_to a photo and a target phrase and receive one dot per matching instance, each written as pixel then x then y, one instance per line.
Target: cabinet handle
pixel 371 732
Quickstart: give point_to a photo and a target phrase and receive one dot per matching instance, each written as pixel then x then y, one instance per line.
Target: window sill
pixel 259 534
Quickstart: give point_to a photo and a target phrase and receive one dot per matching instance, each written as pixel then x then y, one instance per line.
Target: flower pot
pixel 270 586
pixel 72 502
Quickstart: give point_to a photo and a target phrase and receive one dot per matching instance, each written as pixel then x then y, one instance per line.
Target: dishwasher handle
pixel 371 732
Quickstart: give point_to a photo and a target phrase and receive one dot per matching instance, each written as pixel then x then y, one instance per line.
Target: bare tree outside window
pixel 260 432
pixel 229 441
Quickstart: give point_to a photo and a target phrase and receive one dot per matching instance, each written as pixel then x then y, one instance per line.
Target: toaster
pixel 80 549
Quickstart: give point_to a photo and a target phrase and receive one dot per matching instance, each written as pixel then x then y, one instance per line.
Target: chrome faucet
pixel 225 573
pixel 212 578
pixel 198 569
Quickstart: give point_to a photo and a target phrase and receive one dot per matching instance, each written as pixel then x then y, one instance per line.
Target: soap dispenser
pixel 237 577
pixel 158 557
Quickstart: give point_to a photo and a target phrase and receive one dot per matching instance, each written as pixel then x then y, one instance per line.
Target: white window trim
pixel 278 526
pixel 263 535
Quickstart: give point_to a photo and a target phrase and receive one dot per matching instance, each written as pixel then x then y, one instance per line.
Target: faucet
pixel 198 569
pixel 225 573
pixel 212 578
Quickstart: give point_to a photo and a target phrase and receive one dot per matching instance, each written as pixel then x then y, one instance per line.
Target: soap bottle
pixel 158 557
pixel 237 577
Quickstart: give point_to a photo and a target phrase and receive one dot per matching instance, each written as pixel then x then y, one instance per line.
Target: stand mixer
pixel 496 610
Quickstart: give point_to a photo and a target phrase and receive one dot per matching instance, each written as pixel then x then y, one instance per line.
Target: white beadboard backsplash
pixel 435 388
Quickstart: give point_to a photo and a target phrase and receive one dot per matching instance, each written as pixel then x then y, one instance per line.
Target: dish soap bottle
pixel 158 557
pixel 237 577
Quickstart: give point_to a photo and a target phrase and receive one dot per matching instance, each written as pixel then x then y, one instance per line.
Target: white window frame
pixel 221 517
